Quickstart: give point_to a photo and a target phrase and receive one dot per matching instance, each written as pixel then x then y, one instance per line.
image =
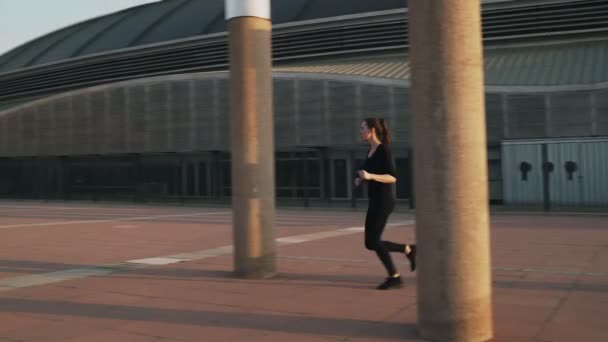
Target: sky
pixel 24 20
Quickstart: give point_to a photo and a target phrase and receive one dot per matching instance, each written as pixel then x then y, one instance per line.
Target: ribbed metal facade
pixel 559 64
pixel 190 113
pixel 181 114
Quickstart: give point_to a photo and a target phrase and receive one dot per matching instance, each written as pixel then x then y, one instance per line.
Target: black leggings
pixel 375 221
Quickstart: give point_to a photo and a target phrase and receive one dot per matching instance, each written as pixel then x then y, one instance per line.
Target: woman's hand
pixel 358 181
pixel 365 175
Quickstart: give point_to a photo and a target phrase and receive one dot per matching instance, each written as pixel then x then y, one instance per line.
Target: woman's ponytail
pixel 385 137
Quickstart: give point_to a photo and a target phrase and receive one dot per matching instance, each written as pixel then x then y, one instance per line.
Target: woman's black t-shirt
pixel 380 163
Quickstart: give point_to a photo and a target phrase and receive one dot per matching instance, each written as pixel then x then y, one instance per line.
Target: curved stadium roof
pixel 529 43
pixel 164 21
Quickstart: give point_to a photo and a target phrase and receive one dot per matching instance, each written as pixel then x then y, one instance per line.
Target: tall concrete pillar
pixel 252 130
pixel 450 170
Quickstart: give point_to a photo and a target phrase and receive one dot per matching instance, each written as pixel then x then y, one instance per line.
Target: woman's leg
pixel 375 222
pixel 394 247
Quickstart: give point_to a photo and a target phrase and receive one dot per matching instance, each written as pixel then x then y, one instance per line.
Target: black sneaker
pixel 411 256
pixel 390 283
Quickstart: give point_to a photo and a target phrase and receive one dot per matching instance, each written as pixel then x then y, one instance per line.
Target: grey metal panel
pixel 204 115
pixel 594 171
pixel 494 117
pixel 159 24
pixel 3 137
pixel 582 63
pixel 342 106
pixel 87 31
pixel 180 114
pixel 375 101
pixel 28 131
pixel 555 140
pixel 316 8
pixel 574 63
pixel 526 115
pixel 168 12
pixel 342 112
pixel 516 189
pixel 570 114
pixel 602 112
pixel 544 65
pixel 565 191
pixel 115 126
pixel 158 118
pixel 13 136
pixel 63 126
pixel 35 48
pixel 137 118
pixel 284 112
pixel 80 125
pixel 401 124
pixel 521 66
pixel 311 112
pixel 288 11
pixel 45 128
pixel 495 175
pixel 123 33
pixel 388 67
pixel 97 109
pixel 222 116
pixel 561 65
pixel 8 55
pixel 189 20
pixel 152 23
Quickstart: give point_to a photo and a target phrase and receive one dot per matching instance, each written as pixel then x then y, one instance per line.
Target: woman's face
pixel 365 132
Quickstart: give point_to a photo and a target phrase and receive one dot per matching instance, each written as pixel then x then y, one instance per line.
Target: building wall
pixel 180 114
pixel 189 113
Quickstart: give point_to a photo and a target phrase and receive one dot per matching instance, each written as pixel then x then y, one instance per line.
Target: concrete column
pixel 252 131
pixel 450 168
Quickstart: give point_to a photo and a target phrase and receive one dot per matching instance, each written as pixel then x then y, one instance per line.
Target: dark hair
pixel 381 129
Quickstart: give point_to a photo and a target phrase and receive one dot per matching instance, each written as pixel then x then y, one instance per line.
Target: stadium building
pixel 133 105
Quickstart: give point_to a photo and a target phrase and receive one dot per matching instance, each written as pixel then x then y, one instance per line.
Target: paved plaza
pixel 103 272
